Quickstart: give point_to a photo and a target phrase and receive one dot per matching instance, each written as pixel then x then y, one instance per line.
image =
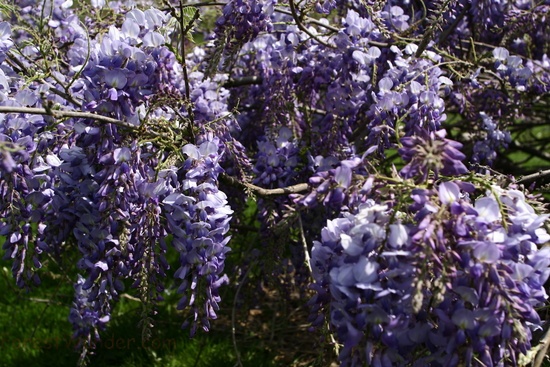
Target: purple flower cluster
pixel 241 21
pixel 198 216
pixel 245 19
pixel 333 184
pixel 451 281
pixel 119 76
pixel 116 230
pixel 87 322
pixel 510 68
pixel 324 74
pixel 485 150
pixel 26 183
pixel 408 97
pixel 5 40
pixel 325 6
pixel 264 104
pixel 122 232
pixel 211 113
pixel 387 90
pixel 541 81
pixel 98 188
pixel 276 159
pixel 431 152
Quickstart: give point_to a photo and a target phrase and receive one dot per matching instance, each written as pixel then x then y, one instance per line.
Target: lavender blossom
pixel 333 184
pixel 451 282
pixel 198 216
pixel 431 152
pixel 241 22
pixel 5 40
pixel 276 160
pixel 485 151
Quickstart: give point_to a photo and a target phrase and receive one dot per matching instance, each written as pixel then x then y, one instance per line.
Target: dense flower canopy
pixel 442 287
pixel 376 130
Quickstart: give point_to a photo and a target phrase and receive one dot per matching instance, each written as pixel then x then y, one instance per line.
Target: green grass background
pixel 35 331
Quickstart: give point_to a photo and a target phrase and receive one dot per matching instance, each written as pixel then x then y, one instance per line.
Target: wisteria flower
pixel 431 152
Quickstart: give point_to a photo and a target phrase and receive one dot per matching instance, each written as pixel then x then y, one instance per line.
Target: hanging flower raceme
pixel 108 211
pixel 449 282
pixel 485 150
pixel 333 184
pixel 276 159
pixel 241 21
pixel 119 76
pixel 428 152
pixel 198 217
pixel 27 161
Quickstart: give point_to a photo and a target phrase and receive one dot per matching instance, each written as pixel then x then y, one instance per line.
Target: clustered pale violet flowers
pixel 449 281
pixel 96 189
pixel 198 216
pixel 417 269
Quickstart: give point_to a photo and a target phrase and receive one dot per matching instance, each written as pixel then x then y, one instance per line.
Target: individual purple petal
pixel 53 160
pixel 399 235
pixel 102 265
pixel 343 276
pixel 191 151
pixel 153 39
pixel 366 274
pixel 490 328
pixel 448 192
pixel 208 148
pixel 500 53
pixel 351 245
pixel 464 319
pixel 115 79
pixel 431 151
pixel 467 294
pixel 486 252
pixel 487 209
pixel 342 176
pixel 385 85
pixel 122 155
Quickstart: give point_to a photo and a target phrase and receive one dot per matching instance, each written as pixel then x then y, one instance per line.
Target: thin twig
pixel 184 31
pixel 454 24
pixel 266 192
pixel 308 264
pixel 309 20
pixel 130 297
pixel 65 113
pixel 196 5
pixel 245 80
pixel 297 19
pixel 205 3
pixel 41 317
pixel 17 64
pixel 304 244
pixel 534 176
pixel 429 31
pixel 201 349
pixel 44 300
